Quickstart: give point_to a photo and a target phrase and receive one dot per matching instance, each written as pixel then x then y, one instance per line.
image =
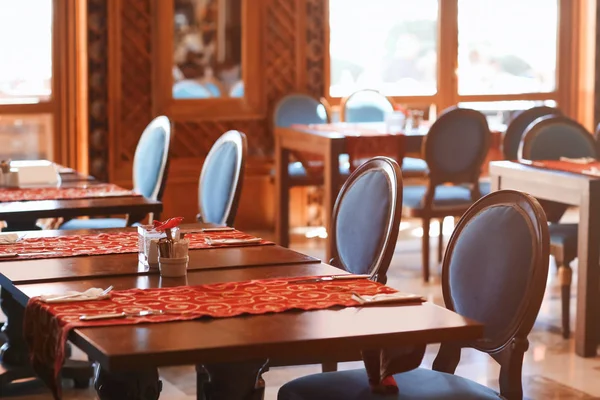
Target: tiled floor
pixel 551 369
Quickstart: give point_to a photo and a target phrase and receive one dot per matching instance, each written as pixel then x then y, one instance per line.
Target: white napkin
pixel 582 160
pixel 9 238
pixel 388 298
pixel 71 295
pixel 232 241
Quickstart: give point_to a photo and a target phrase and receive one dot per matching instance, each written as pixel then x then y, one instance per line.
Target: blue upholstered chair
pixel 365 105
pixel 549 138
pixel 494 276
pixel 514 132
pixel 189 89
pixel 455 150
pixel 150 165
pixel 221 179
pixel 371 106
pixel 366 220
pixel 237 90
pixel 213 87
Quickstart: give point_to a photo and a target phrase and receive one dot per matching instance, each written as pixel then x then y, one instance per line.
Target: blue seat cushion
pixel 485 188
pixel 445 197
pixel 297 170
pixel 97 223
pixel 564 235
pixel 414 166
pixel 418 384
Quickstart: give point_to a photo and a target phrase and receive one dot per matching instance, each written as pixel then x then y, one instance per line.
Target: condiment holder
pixel 9 177
pixel 148 238
pixel 171 250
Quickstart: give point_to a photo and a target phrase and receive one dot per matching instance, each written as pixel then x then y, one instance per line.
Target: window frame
pixel 574 66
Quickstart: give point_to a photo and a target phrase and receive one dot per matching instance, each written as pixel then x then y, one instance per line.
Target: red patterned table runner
pixel 64 193
pixel 590 169
pixel 107 243
pixel 47 326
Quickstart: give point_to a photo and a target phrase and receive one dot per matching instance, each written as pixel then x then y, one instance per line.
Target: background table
pixel 576 190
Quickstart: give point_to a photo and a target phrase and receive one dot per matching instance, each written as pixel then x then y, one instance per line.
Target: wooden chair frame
pixel 509 350
pixel 512 132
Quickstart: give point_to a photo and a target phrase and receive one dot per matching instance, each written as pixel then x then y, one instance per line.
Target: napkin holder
pixel 148 239
pixel 34 173
pixel 9 179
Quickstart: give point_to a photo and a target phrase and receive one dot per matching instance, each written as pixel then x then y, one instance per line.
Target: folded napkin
pixel 582 160
pixel 71 296
pixel 232 241
pixel 9 238
pixel 387 298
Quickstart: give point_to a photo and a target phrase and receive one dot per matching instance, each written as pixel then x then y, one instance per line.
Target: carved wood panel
pixel 98 88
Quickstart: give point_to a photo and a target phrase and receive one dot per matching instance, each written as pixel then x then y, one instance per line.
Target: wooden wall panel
pixel 290 60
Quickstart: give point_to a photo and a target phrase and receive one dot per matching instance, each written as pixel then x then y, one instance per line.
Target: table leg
pixel 282 193
pixel 331 188
pixel 21 225
pixel 588 276
pixel 136 385
pixel 231 381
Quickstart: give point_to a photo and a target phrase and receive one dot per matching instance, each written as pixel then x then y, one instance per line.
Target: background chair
pixel 550 138
pixel 369 105
pixel 366 221
pixel 455 150
pixel 517 127
pixel 222 178
pixel 189 89
pixel 494 276
pixel 150 170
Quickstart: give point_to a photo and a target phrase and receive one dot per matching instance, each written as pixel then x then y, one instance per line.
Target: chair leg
pixel 564 276
pixel 425 249
pixel 329 367
pixel 441 241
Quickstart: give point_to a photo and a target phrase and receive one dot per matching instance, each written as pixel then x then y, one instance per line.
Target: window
pixel 26 119
pixel 496 56
pixel 26 48
pixel 507 47
pixel 378 45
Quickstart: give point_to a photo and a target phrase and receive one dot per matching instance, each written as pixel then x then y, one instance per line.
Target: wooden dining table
pixel 574 189
pixel 329 141
pixel 22 215
pixel 242 344
pixel 14 362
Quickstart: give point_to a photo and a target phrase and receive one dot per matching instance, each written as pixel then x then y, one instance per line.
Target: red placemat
pixel 590 169
pixel 107 243
pixel 46 326
pixel 64 193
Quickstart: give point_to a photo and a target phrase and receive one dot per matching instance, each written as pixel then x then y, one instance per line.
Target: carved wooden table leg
pixel 136 385
pixel 21 225
pixel 236 381
pixel 14 354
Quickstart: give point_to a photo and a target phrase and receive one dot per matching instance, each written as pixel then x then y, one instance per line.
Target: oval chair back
pixel 365 106
pixel 552 137
pixel 366 218
pixel 189 89
pixel 456 147
pixel 221 179
pixel 494 272
pixel 517 127
pixel 151 159
pixel 299 109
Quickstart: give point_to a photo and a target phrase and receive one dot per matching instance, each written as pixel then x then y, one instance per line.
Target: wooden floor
pixel 551 369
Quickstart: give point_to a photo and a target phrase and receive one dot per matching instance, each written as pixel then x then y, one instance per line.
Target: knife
pixel 334 278
pixel 121 315
pixel 8 255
